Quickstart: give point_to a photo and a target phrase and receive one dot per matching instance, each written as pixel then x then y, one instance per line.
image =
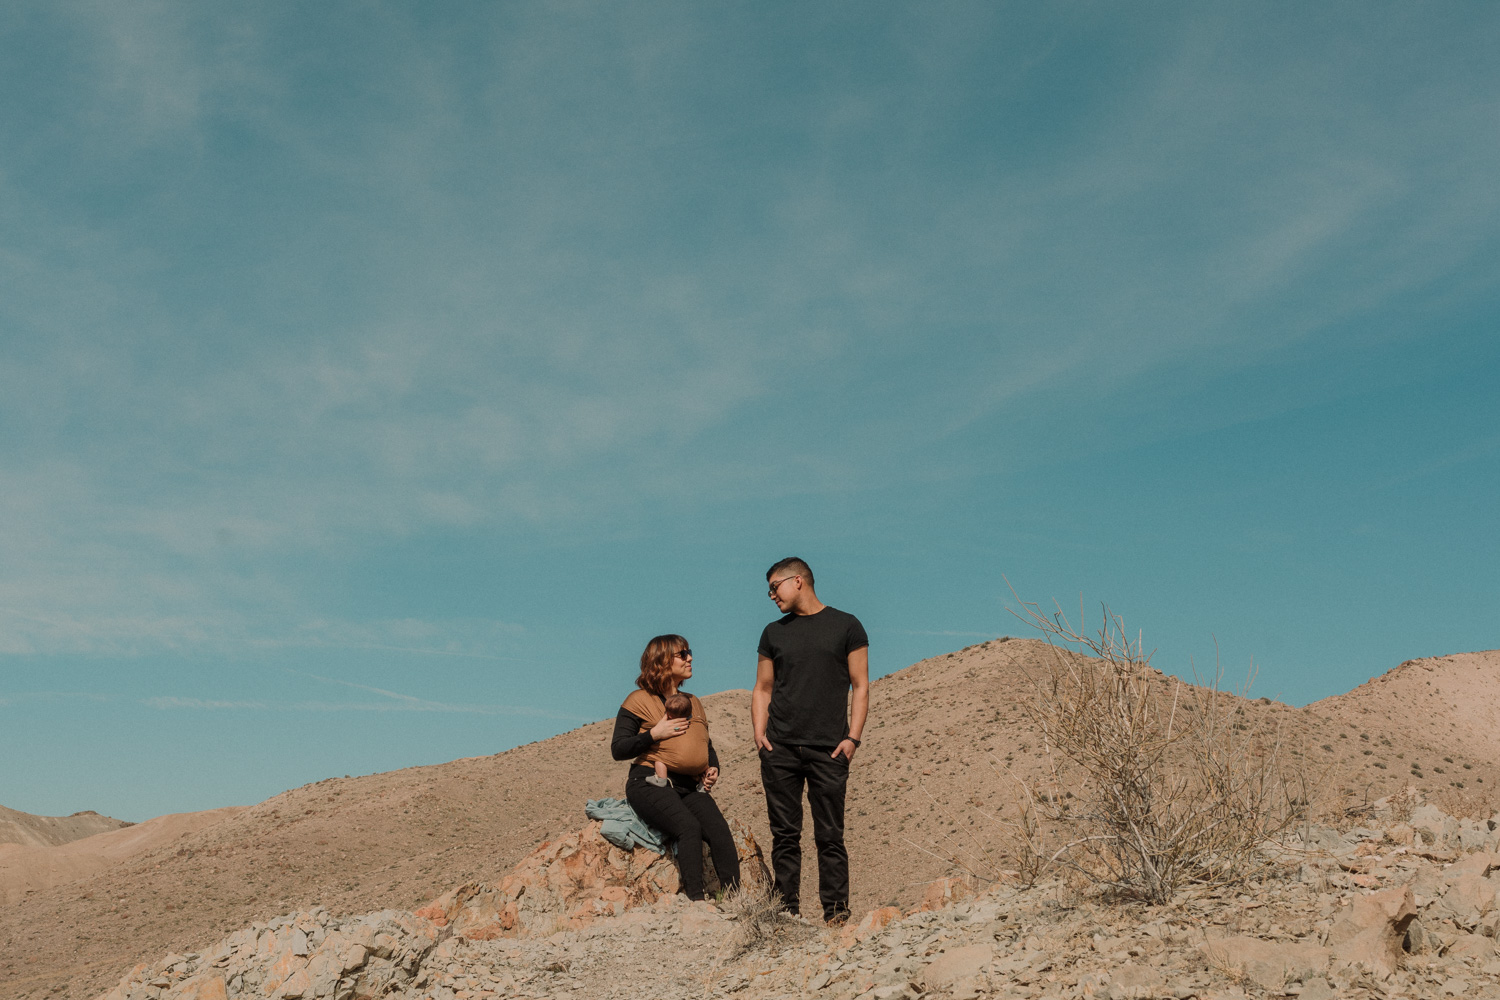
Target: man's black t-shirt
pixel 810 693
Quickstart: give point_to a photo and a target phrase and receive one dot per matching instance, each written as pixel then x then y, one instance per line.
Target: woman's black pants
pixel 690 817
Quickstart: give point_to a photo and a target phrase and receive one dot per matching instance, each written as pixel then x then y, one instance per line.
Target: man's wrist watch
pixel 851 739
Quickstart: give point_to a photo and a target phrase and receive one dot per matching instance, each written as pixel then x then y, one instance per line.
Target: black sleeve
pixel 764 648
pixel 713 756
pixel 857 639
pixel 629 742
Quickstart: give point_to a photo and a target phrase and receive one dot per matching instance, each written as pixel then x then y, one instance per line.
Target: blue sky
pixel 375 379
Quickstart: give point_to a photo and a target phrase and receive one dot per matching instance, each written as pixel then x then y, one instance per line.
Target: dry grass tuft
pixel 1403 802
pixel 1179 786
pixel 761 921
pixel 1463 803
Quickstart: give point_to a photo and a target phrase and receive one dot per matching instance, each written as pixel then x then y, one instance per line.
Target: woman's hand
pixel 709 777
pixel 667 728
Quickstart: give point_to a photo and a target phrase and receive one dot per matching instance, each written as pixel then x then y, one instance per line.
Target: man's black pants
pixel 691 818
pixel 784 771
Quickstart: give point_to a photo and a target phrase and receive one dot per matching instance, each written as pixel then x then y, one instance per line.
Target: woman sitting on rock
pixel 683 811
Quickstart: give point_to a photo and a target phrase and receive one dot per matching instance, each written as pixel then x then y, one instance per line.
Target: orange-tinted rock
pixel 442 910
pixel 576 878
pixel 205 987
pixel 944 892
pixel 285 966
pixel 873 921
pixel 297 985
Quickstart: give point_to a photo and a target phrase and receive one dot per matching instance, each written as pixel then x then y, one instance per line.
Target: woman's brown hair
pixel 656 664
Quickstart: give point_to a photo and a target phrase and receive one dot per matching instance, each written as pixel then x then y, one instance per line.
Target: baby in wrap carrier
pixel 686 754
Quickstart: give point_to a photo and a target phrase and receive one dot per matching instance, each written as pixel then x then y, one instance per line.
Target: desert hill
pixel 947 738
pixel 26 869
pixel 1437 717
pixel 49 831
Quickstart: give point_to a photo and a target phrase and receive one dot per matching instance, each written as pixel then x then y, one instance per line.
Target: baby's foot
pixel 658 782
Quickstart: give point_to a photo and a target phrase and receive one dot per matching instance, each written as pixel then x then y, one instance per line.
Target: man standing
pixel 807 730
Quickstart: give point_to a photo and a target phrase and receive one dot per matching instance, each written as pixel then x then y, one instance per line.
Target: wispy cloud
pixel 44 629
pixel 400 702
pixel 393 701
pixel 173 701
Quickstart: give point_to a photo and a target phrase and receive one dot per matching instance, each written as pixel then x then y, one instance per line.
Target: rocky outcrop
pixel 572 881
pixel 566 883
pixel 304 955
pixel 1356 913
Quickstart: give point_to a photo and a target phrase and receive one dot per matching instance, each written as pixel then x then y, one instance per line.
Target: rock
pixel 873 922
pixel 1093 983
pixel 1471 946
pixel 204 987
pixel 296 986
pixel 1317 988
pixel 1418 939
pixel 1479 863
pixel 1399 833
pixel 1474 836
pixel 572 880
pixel 285 966
pixel 1372 932
pixel 1269 963
pixel 959 963
pixel 1433 825
pixel 699 917
pixel 1467 901
pixel 1317 836
pixel 944 892
pixel 1132 981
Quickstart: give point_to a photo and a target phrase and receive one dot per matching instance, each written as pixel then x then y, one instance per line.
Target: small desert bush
pixel 762 923
pixel 1179 784
pixel 1465 804
pixel 1403 802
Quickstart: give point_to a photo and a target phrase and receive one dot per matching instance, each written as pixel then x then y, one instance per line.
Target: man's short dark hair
pixel 793 565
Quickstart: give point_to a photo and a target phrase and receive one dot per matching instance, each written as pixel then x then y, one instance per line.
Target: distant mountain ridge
pixel 48 831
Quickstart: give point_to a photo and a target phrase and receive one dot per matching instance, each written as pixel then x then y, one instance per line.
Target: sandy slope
pixel 45 831
pixel 26 869
pixel 947 738
pixel 1447 706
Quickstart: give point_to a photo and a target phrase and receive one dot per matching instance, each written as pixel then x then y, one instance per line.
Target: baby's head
pixel 679 706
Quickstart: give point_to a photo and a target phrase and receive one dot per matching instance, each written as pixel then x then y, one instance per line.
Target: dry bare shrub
pixel 761 920
pixel 1180 785
pixel 1403 802
pixel 1465 803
